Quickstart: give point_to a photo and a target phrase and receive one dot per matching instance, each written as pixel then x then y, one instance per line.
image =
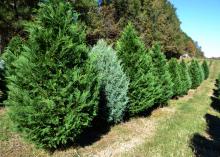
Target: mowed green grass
pixel 171 138
pixel 174 134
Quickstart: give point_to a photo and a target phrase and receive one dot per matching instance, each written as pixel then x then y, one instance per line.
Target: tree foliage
pixel 143 89
pixel 156 20
pixel 206 69
pixel 174 69
pixel 12 15
pixel 195 73
pixel 185 77
pixel 163 77
pixel 10 54
pixel 53 92
pixel 114 82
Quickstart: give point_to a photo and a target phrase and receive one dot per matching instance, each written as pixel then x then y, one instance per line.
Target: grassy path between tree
pixel 167 132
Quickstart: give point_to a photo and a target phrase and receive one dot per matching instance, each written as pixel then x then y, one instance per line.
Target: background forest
pixel 155 21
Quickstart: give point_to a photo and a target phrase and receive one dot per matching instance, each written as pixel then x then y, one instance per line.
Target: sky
pixel 200 19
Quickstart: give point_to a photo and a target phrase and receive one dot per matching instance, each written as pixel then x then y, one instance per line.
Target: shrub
pixel 53 92
pixel 162 72
pixel 195 73
pixel 143 89
pixel 174 69
pixel 185 77
pixel 114 82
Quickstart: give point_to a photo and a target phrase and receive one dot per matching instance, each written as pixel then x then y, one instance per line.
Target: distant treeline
pixel 155 21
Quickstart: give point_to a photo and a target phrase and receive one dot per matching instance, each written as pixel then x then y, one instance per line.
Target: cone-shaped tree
pixel 202 73
pixel 206 69
pixel 53 93
pixel 174 69
pixel 162 72
pixel 195 73
pixel 185 77
pixel 114 82
pixel 143 89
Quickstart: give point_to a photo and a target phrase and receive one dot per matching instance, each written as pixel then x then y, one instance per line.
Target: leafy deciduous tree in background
pixel 12 15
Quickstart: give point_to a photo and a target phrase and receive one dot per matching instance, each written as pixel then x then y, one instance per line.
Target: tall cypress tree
pixel 195 73
pixel 206 69
pixel 185 77
pixel 162 72
pixel 143 89
pixel 174 70
pixel 53 92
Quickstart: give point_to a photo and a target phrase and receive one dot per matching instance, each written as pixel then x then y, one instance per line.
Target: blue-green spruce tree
pixel 114 82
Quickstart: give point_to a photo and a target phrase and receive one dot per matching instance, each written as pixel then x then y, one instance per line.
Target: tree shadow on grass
pixel 208 146
pixel 148 112
pixel 215 103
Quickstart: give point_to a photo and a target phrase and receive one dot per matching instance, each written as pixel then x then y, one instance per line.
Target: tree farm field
pixel 169 131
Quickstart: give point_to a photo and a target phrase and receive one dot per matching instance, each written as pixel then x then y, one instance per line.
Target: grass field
pixel 187 127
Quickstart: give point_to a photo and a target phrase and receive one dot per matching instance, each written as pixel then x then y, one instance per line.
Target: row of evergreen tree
pixel 57 85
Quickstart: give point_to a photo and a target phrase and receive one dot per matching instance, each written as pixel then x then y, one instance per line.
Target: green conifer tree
pixel 143 89
pixel 174 69
pixel 185 77
pixel 114 82
pixel 53 92
pixel 202 73
pixel 163 76
pixel 206 69
pixel 11 53
pixel 195 73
